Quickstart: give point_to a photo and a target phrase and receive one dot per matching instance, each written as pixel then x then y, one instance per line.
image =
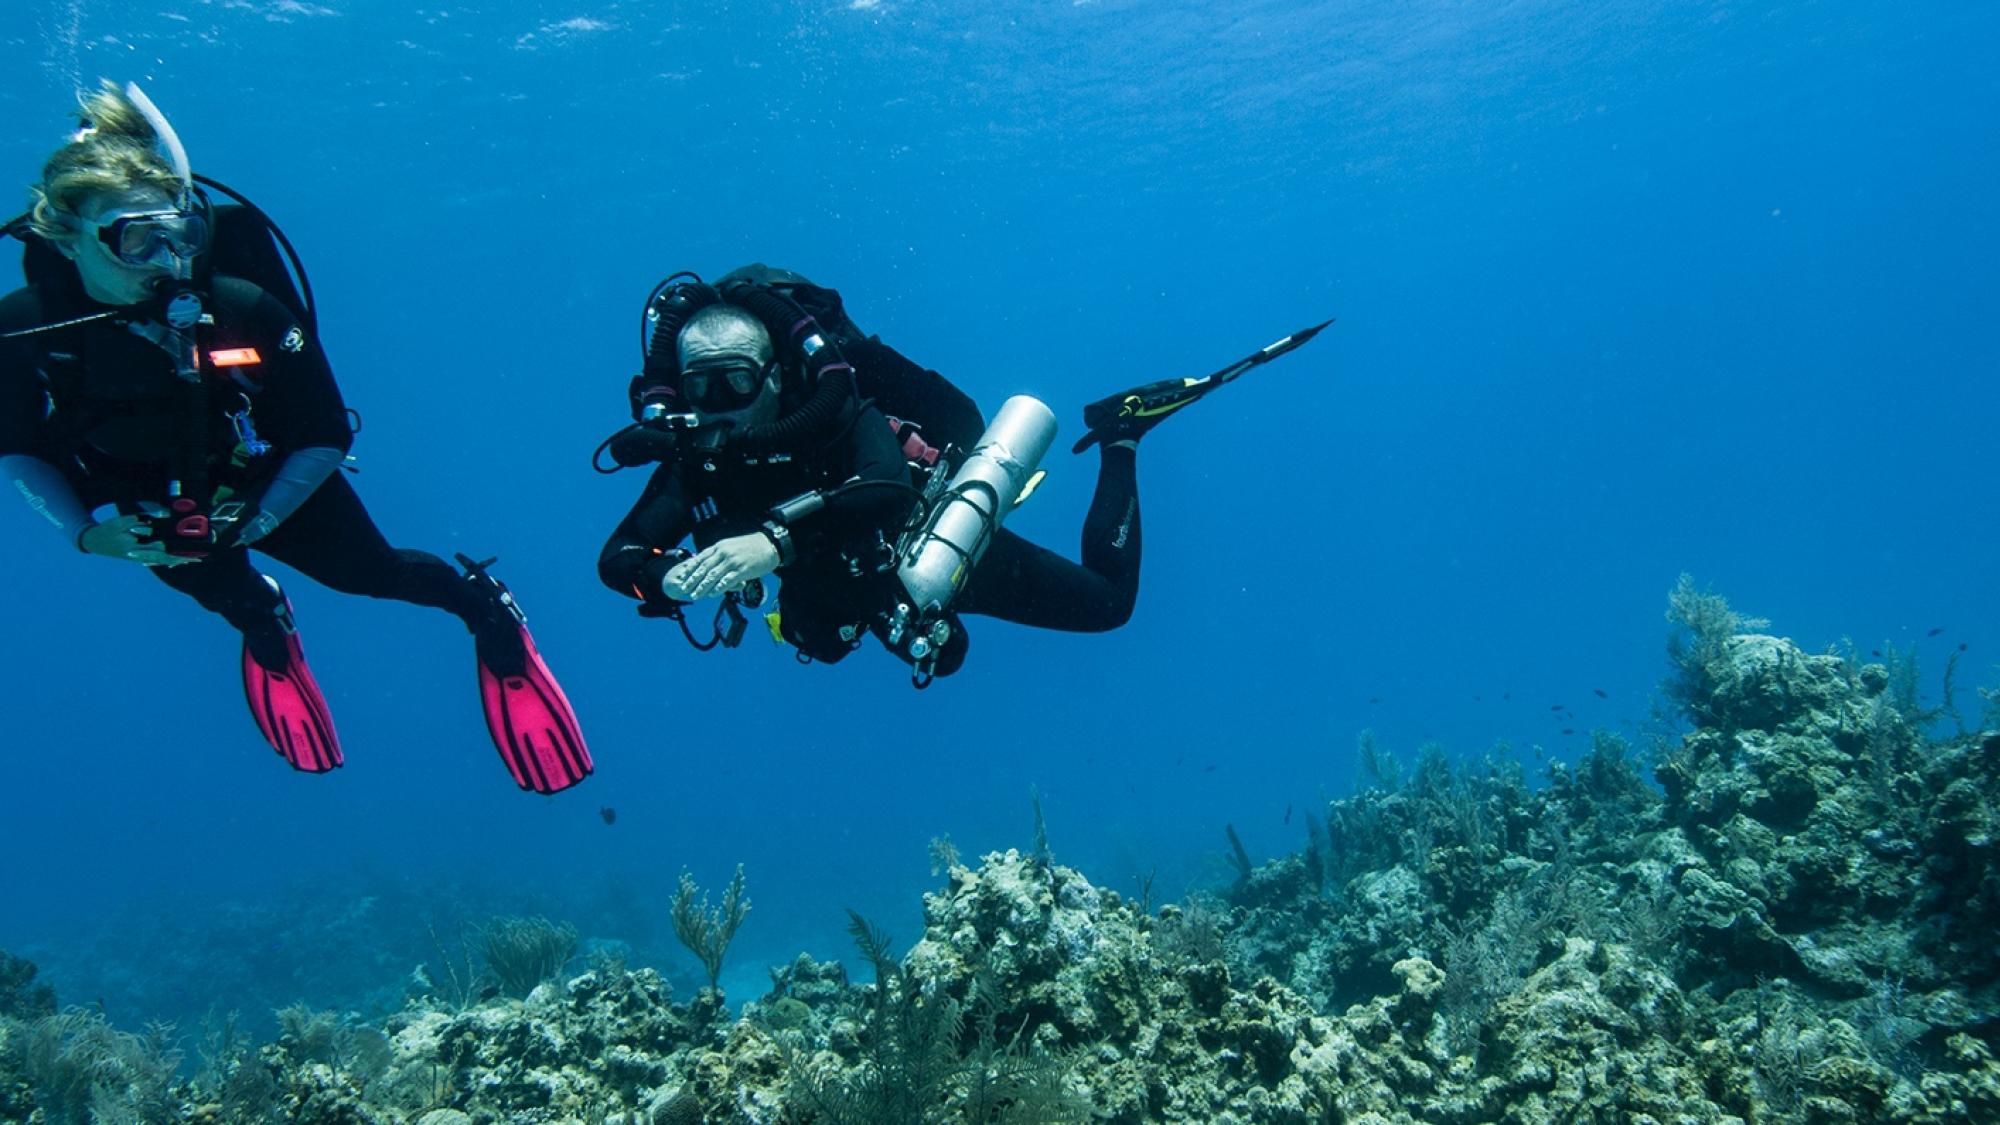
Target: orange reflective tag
pixel 235 357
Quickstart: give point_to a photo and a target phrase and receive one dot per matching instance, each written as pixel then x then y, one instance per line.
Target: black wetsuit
pixel 106 408
pixel 833 582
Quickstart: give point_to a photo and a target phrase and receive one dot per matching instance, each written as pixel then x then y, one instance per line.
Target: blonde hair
pixel 116 150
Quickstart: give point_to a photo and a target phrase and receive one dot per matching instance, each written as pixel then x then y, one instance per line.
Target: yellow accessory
pixel 1028 489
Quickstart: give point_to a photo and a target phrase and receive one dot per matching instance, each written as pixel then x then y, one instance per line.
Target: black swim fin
pixel 1129 415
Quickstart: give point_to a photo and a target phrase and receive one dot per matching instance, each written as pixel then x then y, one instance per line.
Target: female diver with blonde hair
pixel 163 363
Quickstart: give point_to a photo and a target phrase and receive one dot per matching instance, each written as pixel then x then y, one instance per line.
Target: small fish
pixel 1569 730
pixel 1599 693
pixel 1505 695
pixel 1288 814
pixel 609 814
pixel 1961 646
pixel 1479 699
pixel 1556 707
pixel 1935 632
pixel 1875 652
pixel 1209 768
pixel 1374 699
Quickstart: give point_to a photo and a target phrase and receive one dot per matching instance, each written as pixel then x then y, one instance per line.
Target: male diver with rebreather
pixel 790 443
pixel 164 363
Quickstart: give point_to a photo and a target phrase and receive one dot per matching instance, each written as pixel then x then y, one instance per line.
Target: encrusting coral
pixel 1796 924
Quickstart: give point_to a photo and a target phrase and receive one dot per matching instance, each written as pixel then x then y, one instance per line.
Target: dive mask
pixel 724 385
pixel 154 238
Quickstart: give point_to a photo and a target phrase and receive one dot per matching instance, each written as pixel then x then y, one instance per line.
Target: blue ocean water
pixel 1625 290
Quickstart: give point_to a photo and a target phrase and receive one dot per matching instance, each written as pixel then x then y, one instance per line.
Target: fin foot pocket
pixel 286 703
pixel 1131 415
pixel 532 724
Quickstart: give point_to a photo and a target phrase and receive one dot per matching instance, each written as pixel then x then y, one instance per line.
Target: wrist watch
pixel 781 538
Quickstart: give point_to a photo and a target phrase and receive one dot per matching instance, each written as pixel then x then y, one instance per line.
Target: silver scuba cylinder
pixel 936 563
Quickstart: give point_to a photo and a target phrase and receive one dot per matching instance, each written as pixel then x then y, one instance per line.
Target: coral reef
pixel 1793 925
pixel 523 952
pixel 707 930
pixel 20 997
pixel 158 955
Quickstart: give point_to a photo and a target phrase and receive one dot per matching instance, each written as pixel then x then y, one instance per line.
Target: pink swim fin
pixel 286 702
pixel 532 724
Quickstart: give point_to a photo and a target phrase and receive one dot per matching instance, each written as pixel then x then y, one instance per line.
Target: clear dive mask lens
pixel 723 385
pixel 155 238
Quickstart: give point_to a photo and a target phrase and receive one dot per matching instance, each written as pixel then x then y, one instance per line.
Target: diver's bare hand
pixel 129 538
pixel 724 566
pixel 671 586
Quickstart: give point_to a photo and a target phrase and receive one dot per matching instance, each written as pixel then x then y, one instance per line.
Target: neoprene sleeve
pixel 48 492
pixel 297 479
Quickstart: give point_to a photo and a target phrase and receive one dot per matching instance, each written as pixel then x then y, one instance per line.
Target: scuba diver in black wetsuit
pixel 163 362
pixel 789 443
